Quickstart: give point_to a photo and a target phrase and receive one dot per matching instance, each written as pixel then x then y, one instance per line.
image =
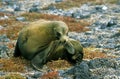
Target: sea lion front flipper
pixel 69 47
pixel 38 61
pixel 42 57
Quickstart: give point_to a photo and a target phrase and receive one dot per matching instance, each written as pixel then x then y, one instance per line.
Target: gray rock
pixel 3 38
pixel 2 10
pixel 89 33
pixel 116 35
pixel 33 9
pixel 80 71
pixel 112 77
pixel 36 4
pixel 17 7
pixel 3 51
pixel 51 8
pixel 76 15
pixel 85 15
pixel 20 19
pixel 68 13
pixel 111 23
pixel 1 27
pixel 101 8
pixel 105 62
pixel 61 72
pixel 37 74
pixel 4 17
pixel 4 48
pixel 2 73
pixel 58 0
pixel 116 10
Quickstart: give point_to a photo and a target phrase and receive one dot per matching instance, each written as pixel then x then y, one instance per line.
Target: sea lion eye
pixel 58 35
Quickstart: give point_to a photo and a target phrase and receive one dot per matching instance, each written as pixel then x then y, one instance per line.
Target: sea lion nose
pixel 64 39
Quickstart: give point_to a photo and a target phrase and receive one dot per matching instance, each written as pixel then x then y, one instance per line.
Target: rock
pixel 85 15
pixel 20 19
pixel 104 62
pixel 81 14
pixel 33 9
pixel 61 72
pixel 17 7
pixel 111 23
pixel 76 14
pixel 89 33
pixel 7 2
pixel 2 73
pixel 4 17
pixel 37 74
pixel 85 7
pixel 116 34
pixel 101 8
pixel 3 51
pixel 2 10
pixel 51 7
pixel 58 1
pixel 116 10
pixel 104 7
pixel 36 4
pixel 104 67
pixel 3 38
pixel 1 27
pixel 112 77
pixel 80 71
pixel 68 13
pixel 4 48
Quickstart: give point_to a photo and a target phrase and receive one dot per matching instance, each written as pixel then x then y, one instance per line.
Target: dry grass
pixel 73 25
pixel 92 53
pixel 13 65
pixel 11 28
pixel 50 75
pixel 12 76
pixel 67 4
pixel 58 64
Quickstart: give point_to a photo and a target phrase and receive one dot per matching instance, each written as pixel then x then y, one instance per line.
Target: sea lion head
pixel 60 31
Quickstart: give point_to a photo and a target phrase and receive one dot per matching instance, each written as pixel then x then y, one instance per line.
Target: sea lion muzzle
pixel 64 39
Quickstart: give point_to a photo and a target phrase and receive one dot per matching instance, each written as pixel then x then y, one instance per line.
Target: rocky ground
pixel 103 36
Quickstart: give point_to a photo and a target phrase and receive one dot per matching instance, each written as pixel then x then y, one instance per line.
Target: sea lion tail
pixel 17 52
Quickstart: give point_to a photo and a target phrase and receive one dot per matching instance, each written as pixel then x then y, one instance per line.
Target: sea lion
pixel 59 51
pixel 44 40
pixel 38 36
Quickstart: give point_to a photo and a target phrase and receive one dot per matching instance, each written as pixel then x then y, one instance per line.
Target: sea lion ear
pixel 69 48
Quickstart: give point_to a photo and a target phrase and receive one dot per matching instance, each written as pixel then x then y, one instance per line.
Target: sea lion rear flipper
pixel 17 52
